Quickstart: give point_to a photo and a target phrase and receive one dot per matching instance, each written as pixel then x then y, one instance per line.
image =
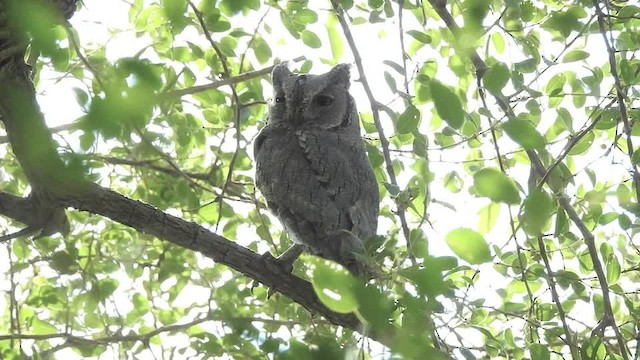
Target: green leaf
pixel 447 104
pixel 335 37
pixel 613 269
pixel 495 185
pixel 555 84
pixel 375 306
pixel 593 348
pixel 488 217
pixel 217 23
pixel 526 66
pixel 498 42
pixel 566 118
pixel 310 39
pixel 453 182
pixel 408 121
pixel 496 78
pixel 41 327
pixel 428 280
pixel 539 352
pixel 104 288
pixel 628 11
pixel 583 144
pixel 420 36
pixel 174 9
pixel 140 303
pixel 538 208
pixel 524 133
pixel 575 55
pixel 64 263
pixel 419 243
pixel 334 286
pixel 468 245
pixel 261 49
pixel 565 22
pixel 391 82
pixel 304 16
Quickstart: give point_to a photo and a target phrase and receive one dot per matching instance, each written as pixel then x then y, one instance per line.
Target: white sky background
pixel 97 24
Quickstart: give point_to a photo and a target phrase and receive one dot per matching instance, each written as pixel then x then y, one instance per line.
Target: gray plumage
pixel 312 168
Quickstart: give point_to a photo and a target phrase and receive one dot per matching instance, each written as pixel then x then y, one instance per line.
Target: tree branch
pixel 220 83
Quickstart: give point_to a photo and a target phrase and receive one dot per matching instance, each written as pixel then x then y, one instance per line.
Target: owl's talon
pixel 276 265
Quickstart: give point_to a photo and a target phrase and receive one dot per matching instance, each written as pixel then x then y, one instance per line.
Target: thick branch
pixel 147 219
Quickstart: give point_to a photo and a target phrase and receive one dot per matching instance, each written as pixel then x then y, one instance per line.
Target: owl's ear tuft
pixel 341 73
pixel 280 72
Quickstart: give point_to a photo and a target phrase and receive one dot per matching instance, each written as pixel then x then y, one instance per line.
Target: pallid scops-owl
pixel 312 168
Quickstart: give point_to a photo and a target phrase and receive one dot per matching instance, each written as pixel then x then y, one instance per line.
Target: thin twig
pixel 231 80
pixel 619 96
pixel 403 53
pixel 556 298
pixel 609 319
pixel 376 119
pixel 236 103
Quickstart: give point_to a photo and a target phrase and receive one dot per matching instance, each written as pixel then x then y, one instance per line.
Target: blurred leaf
pixel 575 55
pixel 583 144
pixel 496 186
pixel 496 77
pixel 420 36
pixel 447 104
pixel 408 121
pixel 335 37
pixel 524 133
pixel 488 216
pixel 261 50
pixel 469 245
pixel 304 16
pixel 310 39
pixel 174 9
pixel 40 327
pixel 538 208
pixel 334 286
pixel 539 352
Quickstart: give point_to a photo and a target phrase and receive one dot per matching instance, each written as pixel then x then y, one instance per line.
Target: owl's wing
pixel 293 191
pixel 342 168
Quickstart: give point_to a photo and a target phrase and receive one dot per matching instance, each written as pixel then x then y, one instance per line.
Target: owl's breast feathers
pixel 317 181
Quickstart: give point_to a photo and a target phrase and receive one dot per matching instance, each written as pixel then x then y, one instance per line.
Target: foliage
pixel 503 146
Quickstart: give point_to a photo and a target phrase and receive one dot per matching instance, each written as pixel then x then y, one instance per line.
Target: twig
pixel 572 142
pixel 556 298
pixel 494 140
pixel 224 82
pixel 236 104
pixel 74 41
pixel 619 96
pixel 376 119
pixel 72 126
pixel 609 319
pixel 402 50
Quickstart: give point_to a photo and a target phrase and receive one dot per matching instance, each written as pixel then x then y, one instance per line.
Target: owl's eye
pixel 279 99
pixel 323 100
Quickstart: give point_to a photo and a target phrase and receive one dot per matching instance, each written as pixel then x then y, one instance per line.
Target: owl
pixel 312 167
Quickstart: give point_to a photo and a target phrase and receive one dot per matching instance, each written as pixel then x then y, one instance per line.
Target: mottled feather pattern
pixel 312 168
